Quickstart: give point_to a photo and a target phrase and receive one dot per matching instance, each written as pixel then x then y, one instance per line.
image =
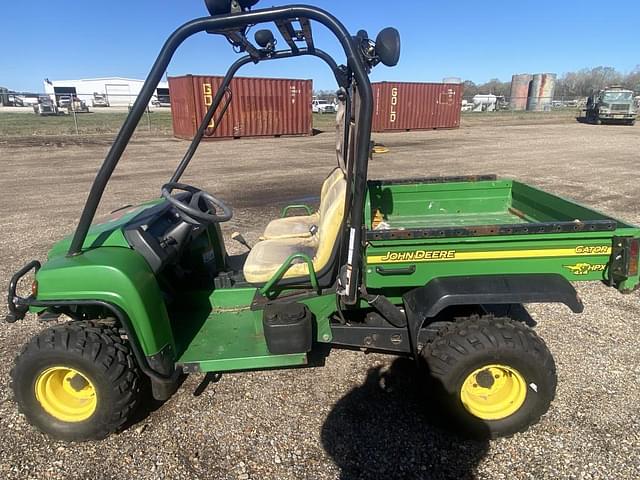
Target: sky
pixel 73 39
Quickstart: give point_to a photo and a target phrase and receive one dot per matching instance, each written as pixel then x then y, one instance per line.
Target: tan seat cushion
pixel 288 227
pixel 300 226
pixel 267 256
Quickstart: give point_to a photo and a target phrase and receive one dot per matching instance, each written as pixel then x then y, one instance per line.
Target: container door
pixel 118 94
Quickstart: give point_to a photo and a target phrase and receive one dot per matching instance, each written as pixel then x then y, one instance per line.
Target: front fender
pixel 118 276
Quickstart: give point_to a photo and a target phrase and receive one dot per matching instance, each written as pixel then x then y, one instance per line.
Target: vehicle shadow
pixel 148 404
pixel 384 429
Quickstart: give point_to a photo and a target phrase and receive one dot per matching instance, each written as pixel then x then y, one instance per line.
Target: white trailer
pixel 484 103
pixel 118 91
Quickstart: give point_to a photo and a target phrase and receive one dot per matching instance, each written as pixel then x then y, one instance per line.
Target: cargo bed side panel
pixel 422 230
pixel 412 265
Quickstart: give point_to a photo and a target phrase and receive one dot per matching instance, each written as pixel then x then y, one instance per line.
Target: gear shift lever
pixel 237 236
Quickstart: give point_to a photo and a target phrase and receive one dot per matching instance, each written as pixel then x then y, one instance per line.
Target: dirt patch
pixel 357 417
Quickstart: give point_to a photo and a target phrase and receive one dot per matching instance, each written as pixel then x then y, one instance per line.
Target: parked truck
pixel 613 104
pixel 99 100
pixel 46 107
pixel 319 105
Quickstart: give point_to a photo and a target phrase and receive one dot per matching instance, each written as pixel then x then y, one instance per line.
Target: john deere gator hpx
pixel 430 268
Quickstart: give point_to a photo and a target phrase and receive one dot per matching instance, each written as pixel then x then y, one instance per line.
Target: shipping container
pixel 259 106
pixel 416 106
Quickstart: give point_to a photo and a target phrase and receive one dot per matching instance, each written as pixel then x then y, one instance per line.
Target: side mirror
pixel 388 46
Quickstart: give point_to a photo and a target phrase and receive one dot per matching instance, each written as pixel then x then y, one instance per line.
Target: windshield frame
pixel 618 93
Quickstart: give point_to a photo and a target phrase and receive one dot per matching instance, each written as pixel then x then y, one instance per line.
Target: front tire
pixel 78 381
pixel 491 376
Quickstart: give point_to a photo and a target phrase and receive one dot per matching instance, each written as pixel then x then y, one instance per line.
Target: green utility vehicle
pixel 436 269
pixel 611 105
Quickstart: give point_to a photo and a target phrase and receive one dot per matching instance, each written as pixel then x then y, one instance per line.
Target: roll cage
pixel 234 26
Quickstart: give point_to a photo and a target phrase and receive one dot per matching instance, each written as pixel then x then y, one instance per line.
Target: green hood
pixel 108 232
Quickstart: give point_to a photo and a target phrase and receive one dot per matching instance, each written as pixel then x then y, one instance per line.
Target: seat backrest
pixel 331 217
pixel 341 115
pixel 328 184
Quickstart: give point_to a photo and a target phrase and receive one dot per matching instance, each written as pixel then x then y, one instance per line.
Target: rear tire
pixel 78 381
pixel 490 376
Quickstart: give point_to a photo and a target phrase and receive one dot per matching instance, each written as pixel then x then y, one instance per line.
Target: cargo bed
pixel 419 225
pixel 473 206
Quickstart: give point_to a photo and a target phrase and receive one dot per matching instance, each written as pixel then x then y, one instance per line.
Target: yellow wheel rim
pixel 66 394
pixel 493 392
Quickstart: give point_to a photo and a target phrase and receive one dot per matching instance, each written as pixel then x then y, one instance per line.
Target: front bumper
pixel 19 306
pixel 617 116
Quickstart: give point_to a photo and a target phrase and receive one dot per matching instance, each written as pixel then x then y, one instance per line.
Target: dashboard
pixel 159 234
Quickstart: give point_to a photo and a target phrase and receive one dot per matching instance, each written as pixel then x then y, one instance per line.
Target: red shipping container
pixel 259 106
pixel 416 106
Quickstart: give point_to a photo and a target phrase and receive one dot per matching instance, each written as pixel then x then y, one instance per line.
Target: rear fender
pixel 424 303
pixel 118 276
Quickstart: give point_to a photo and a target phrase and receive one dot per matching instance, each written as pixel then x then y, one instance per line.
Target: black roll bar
pixel 237 21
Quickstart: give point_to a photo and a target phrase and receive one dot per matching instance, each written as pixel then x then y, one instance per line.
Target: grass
pixel 13 124
pixel 519 117
pixel 159 122
pixel 324 122
pixel 22 124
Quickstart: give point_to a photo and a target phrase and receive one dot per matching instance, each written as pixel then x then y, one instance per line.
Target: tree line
pixel 571 84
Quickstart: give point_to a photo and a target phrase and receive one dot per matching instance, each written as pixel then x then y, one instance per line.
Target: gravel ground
pixel 360 416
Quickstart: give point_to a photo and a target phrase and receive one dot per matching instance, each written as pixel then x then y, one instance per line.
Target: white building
pixel 118 91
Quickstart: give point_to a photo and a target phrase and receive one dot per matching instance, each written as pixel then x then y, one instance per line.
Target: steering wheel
pixel 199 208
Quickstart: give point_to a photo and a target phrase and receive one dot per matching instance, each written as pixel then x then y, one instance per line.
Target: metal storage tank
pixel 519 91
pixel 259 106
pixel 416 106
pixel 541 92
